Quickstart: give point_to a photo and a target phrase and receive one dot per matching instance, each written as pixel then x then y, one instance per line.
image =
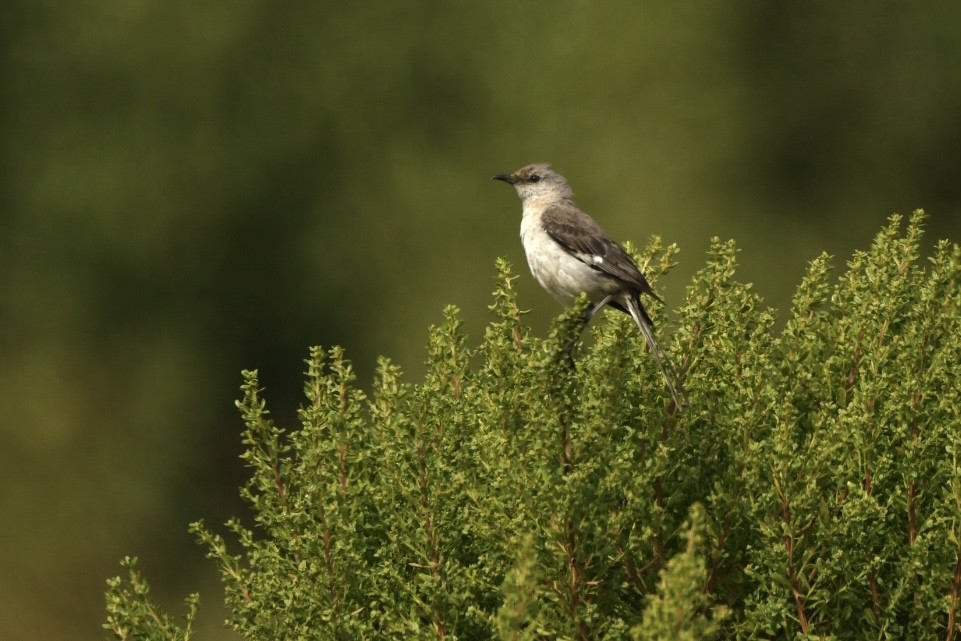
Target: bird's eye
pixel 534 178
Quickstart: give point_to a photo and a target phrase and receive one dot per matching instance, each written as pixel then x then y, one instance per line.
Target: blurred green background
pixel 189 189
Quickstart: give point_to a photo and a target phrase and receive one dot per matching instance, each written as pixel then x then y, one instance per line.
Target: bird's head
pixel 534 181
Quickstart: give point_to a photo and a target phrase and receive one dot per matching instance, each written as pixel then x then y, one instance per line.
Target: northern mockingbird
pixel 569 254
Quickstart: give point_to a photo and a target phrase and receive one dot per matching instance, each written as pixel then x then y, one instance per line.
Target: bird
pixel 569 254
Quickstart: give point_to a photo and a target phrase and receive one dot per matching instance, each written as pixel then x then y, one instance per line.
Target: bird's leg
pixel 589 314
pixel 585 319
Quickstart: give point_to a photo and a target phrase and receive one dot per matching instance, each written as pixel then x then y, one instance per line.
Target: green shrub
pixel 811 490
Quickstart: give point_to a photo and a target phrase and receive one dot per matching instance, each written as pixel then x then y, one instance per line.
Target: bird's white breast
pixel 561 274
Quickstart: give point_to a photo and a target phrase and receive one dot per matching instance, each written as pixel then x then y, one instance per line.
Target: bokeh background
pixel 189 189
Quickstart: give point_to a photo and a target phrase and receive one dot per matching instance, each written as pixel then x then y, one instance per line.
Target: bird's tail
pixel 639 314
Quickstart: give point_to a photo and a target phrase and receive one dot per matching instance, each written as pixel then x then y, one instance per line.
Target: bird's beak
pixel 508 178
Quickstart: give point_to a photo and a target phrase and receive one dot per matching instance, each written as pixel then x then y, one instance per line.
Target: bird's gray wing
pixel 584 239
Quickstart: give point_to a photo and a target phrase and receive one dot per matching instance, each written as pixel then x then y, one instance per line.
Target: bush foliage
pixel 811 489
